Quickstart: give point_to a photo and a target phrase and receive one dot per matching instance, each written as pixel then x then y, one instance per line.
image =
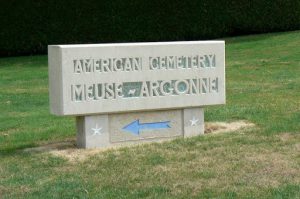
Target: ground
pixel 259 161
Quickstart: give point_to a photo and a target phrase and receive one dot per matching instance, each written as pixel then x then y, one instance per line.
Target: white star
pixel 97 131
pixel 194 121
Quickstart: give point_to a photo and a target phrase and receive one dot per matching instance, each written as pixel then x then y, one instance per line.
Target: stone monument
pixel 136 92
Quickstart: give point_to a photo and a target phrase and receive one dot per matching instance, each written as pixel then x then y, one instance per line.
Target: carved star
pixel 194 121
pixel 97 131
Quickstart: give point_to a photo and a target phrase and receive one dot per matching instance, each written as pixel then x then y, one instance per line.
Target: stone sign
pixel 123 93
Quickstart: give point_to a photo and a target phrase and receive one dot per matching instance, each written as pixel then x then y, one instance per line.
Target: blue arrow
pixel 135 126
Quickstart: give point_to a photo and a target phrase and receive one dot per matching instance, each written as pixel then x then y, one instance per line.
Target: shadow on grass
pixel 13 150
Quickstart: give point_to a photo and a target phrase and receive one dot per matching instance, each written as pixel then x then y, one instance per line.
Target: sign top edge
pixel 139 44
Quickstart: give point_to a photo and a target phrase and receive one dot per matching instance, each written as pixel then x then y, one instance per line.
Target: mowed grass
pixel 263 87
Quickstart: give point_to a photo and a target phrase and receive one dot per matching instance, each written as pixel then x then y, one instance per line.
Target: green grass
pixel 263 87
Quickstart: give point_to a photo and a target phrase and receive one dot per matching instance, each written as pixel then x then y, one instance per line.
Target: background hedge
pixel 27 27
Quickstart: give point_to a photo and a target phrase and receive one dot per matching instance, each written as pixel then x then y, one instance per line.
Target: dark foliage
pixel 28 26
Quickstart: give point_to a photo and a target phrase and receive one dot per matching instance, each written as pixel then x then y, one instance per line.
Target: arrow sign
pixel 135 126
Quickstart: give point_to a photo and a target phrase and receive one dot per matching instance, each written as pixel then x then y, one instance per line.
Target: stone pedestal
pixel 92 131
pixel 101 131
pixel 193 120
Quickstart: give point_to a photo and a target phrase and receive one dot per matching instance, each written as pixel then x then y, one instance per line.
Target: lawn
pixel 263 87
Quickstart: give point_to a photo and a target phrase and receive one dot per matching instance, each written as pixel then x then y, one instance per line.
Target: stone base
pixel 100 131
